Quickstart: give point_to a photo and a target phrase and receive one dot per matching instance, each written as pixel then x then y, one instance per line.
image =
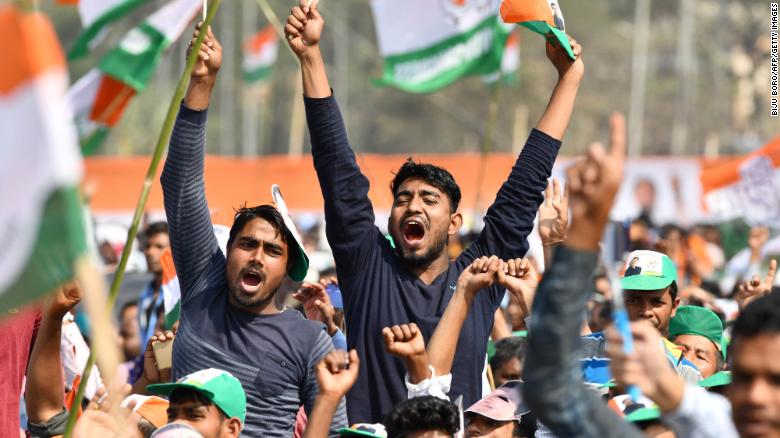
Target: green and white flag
pixel 96 15
pixel 139 52
pixel 260 52
pixel 41 224
pixel 510 62
pixel 427 45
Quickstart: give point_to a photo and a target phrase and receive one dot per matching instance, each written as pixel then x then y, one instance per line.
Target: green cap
pixel 219 386
pixel 722 378
pixel 651 271
pixel 644 414
pixel 695 320
pixel 301 264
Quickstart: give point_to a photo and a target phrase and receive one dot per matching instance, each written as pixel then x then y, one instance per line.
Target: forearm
pixel 139 386
pixel 417 367
pixel 321 416
pixel 500 326
pixel 556 116
pixel 315 78
pixel 444 341
pixel 199 93
pixel 45 391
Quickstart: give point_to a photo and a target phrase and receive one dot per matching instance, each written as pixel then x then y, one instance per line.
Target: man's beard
pixel 244 300
pixel 425 259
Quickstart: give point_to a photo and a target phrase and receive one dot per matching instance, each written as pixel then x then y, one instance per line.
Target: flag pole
pixel 162 141
pixel 487 142
pixel 205 9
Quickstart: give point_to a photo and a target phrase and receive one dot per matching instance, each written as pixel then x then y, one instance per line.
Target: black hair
pixel 146 427
pixel 183 395
pixel 154 229
pixel 762 316
pixel 506 349
pixel 433 175
pixel 270 214
pixel 421 414
pixel 673 289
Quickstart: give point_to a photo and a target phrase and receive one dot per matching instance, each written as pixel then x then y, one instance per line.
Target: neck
pixel 265 307
pixel 157 282
pixel 429 272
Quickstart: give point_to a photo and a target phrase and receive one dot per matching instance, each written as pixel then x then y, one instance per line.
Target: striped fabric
pixel 272 355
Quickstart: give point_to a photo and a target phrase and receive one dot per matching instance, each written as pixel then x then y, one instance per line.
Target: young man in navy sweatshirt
pixel 383 286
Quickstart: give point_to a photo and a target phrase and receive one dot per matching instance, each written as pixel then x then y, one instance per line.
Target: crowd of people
pixel 407 337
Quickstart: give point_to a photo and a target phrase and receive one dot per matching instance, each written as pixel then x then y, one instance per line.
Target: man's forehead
pixel 691 340
pixel 259 227
pixel 417 185
pixel 645 293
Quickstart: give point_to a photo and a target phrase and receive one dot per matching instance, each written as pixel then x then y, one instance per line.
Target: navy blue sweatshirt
pixel 379 291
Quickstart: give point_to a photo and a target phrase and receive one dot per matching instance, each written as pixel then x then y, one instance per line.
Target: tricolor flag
pixel 427 45
pixel 41 224
pixel 170 289
pixel 101 96
pixel 260 52
pixel 510 62
pixel 170 281
pixel 96 15
pixel 746 187
pixel 541 16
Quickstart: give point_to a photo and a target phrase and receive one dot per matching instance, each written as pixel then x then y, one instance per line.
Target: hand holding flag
pixel 304 27
pixel 210 55
pixel 559 56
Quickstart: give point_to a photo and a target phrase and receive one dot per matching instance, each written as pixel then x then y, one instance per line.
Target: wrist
pixel 417 367
pixel 570 77
pixel 311 56
pixel 332 329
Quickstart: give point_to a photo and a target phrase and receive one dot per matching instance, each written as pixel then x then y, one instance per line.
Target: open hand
pixel 317 305
pixel 304 27
pixel 337 372
pixel 554 214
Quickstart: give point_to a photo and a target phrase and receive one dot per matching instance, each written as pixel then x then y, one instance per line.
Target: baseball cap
pixel 503 404
pixel 176 430
pixel 644 414
pixel 653 271
pixel 721 378
pixel 364 429
pixel 301 265
pixel 219 386
pixel 695 320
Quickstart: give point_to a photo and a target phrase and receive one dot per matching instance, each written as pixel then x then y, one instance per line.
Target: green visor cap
pixel 722 378
pixel 651 271
pixel 364 429
pixel 644 414
pixel 695 320
pixel 301 264
pixel 219 386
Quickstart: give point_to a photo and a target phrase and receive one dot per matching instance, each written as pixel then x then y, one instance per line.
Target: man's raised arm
pixel 511 217
pixel 349 216
pixel 192 237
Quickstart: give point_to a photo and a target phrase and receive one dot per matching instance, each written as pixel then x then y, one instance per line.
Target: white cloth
pixel 702 414
pixel 74 353
pixel 437 386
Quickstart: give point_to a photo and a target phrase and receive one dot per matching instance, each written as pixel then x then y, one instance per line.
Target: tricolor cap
pixel 644 414
pixel 152 408
pixel 651 271
pixel 364 429
pixel 503 404
pixel 695 320
pixel 301 265
pixel 721 378
pixel 219 386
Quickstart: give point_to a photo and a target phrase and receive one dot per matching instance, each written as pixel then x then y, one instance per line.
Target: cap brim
pixel 644 414
pixel 645 282
pixel 301 266
pixel 166 389
pixel 492 417
pixel 722 378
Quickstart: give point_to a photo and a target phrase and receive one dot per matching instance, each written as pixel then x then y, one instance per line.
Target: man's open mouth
pixel 413 231
pixel 252 279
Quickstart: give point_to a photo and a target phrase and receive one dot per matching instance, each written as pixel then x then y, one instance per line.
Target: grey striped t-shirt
pixel 272 355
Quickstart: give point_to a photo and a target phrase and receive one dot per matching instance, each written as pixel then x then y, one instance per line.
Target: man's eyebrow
pixel 249 239
pixel 429 193
pixel 403 193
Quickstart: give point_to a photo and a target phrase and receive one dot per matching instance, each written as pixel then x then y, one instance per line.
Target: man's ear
pixel 675 303
pixel 456 221
pixel 233 427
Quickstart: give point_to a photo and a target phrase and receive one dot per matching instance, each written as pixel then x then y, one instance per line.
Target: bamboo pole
pixel 162 141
